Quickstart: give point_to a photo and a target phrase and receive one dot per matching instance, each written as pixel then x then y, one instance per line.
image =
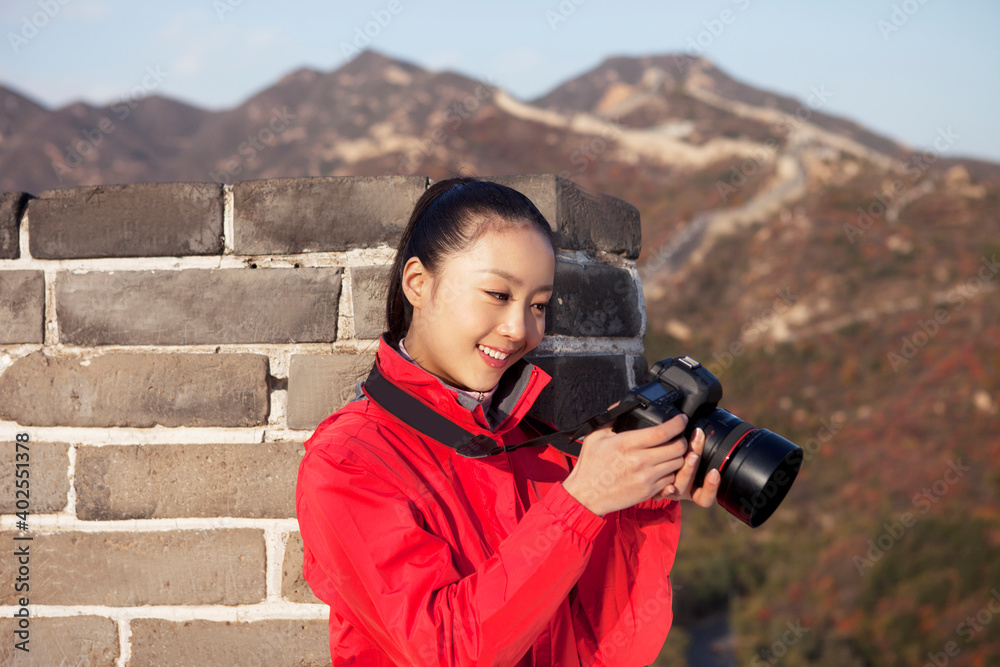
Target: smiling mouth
pixel 496 354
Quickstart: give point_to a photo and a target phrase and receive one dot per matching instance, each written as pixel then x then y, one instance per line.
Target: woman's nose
pixel 514 324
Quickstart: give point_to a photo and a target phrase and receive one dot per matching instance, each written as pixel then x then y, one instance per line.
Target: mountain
pixel 372 116
pixel 840 285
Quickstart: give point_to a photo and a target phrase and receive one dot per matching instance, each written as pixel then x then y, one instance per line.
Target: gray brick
pixel 369 288
pixel 594 300
pixel 143 220
pixel 294 587
pixel 320 384
pixel 48 480
pixel 206 306
pixel 272 643
pixel 640 366
pixel 294 215
pixel 70 641
pixel 581 387
pixel 131 569
pixel 583 220
pixel 22 307
pixel 137 389
pixel 11 208
pixel 255 480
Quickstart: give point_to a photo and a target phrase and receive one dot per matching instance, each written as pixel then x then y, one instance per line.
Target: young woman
pixel 524 557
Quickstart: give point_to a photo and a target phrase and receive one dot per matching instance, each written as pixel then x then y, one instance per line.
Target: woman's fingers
pixel 655 436
pixel 685 478
pixel 706 495
pixel 680 488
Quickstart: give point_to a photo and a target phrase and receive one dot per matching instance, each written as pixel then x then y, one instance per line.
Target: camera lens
pixel 757 466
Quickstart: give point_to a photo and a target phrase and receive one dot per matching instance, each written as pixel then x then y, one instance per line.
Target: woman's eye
pixel 502 296
pixel 542 306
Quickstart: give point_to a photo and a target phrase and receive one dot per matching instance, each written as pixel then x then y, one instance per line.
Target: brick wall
pixel 167 348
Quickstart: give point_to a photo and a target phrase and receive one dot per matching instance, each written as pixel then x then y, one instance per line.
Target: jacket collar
pixel 517 391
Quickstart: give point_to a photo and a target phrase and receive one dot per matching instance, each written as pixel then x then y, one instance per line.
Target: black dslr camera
pixel 757 466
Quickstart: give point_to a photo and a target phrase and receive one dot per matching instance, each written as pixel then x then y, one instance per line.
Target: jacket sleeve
pixel 622 608
pixel 399 580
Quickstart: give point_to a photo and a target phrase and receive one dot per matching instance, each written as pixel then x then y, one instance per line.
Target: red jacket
pixel 430 558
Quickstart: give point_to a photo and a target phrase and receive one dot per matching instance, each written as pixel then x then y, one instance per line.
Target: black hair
pixel 447 219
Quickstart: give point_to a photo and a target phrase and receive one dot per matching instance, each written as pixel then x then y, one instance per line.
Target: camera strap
pixel 418 415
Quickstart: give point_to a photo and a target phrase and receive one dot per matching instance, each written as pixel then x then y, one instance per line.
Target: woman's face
pixel 482 310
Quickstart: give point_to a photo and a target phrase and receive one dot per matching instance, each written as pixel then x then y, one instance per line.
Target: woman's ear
pixel 416 282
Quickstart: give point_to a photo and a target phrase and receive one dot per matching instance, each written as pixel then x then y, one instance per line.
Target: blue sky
pixel 905 68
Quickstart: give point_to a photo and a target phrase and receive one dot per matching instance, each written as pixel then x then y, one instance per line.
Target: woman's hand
pixel 681 489
pixel 618 470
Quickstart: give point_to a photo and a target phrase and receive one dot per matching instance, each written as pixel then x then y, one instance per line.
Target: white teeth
pixel 493 353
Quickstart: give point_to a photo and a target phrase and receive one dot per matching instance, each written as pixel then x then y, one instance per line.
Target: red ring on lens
pixel 725 460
